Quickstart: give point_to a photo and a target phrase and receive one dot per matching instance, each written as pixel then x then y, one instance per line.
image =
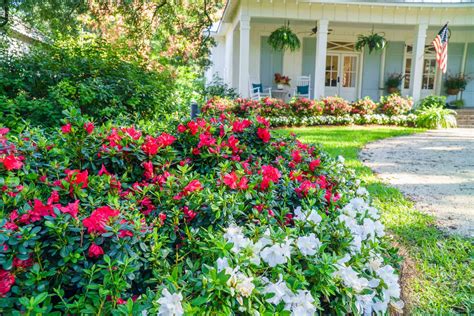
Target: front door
pixel 429 76
pixel 341 75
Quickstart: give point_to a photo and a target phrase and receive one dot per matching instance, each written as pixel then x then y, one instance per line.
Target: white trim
pixel 361 69
pixel 320 62
pixel 382 70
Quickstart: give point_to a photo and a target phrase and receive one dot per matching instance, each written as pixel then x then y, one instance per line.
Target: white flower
pixel 244 285
pixel 362 191
pixel 308 245
pixel 351 279
pixel 302 304
pixel 310 216
pixel 235 236
pixel 170 304
pixel 222 264
pixel 274 255
pixel 280 291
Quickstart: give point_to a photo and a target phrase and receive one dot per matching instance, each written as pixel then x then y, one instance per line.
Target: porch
pixel 327 53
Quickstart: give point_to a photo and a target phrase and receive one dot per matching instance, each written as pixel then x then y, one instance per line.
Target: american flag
pixel 441 46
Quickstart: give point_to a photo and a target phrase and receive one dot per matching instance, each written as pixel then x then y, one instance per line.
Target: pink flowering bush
pixel 270 107
pixel 363 106
pixel 217 105
pixel 306 107
pixel 395 104
pixel 336 106
pixel 210 216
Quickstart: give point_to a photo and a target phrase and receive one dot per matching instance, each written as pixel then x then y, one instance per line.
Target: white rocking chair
pixel 257 91
pixel 303 87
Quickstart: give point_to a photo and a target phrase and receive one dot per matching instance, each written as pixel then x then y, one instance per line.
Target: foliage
pixel 363 106
pixel 283 39
pixel 394 80
pixel 457 103
pixel 280 79
pixel 441 263
pixel 218 88
pixel 433 101
pixel 219 216
pixel 457 82
pixel 336 106
pixel 374 41
pixel 90 76
pixel 436 116
pixel 395 104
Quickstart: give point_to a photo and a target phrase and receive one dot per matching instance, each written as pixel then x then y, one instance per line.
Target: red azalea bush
pixel 245 106
pixel 218 105
pixel 395 104
pixel 336 106
pixel 363 106
pixel 306 107
pixel 102 219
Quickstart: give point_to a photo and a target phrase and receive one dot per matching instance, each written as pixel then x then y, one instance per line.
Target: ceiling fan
pixel 314 31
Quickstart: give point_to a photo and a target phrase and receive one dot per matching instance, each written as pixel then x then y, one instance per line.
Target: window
pixel 429 73
pixel 406 81
pixel 332 65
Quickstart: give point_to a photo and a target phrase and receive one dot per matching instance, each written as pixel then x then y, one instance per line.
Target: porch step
pixel 465 118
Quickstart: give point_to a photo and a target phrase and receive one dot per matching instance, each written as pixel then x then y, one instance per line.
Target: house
pixel 19 37
pixel 328 31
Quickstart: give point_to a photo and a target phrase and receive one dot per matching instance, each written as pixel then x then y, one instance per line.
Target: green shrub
pixel 89 75
pixel 214 218
pixel 435 116
pixel 217 88
pixel 336 106
pixel 363 106
pixel 433 100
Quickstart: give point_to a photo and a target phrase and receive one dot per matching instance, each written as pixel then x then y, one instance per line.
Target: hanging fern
pixel 373 41
pixel 283 38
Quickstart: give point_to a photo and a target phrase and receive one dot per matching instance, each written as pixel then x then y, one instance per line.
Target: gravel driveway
pixel 435 169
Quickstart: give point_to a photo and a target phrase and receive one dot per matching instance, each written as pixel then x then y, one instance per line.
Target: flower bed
pixel 215 217
pixel 392 110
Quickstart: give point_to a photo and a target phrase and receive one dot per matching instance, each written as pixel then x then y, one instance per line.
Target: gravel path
pixel 435 169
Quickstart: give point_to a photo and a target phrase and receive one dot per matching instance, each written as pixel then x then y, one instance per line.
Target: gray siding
pixel 309 56
pixel 271 62
pixel 371 75
pixel 394 58
pixel 455 54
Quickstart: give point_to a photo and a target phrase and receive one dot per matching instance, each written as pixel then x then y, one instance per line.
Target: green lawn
pixel 439 269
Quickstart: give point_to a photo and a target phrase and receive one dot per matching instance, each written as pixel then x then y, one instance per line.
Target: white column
pixel 417 61
pixel 320 63
pixel 244 56
pixel 229 52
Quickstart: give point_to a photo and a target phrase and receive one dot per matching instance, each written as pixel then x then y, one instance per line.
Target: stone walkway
pixel 435 169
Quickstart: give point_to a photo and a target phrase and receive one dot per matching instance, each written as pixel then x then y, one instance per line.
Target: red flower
pixel 189 214
pixel 304 188
pixel 192 186
pixel 233 182
pixel 89 127
pixel 125 233
pixel 54 198
pixel 7 279
pixel 193 127
pixel 240 126
pixel 11 162
pixel 162 217
pixel 4 131
pixel 66 129
pixel 77 178
pixel 132 132
pixel 206 140
pixel 22 264
pixel 314 164
pixel 152 145
pixel 103 170
pixel 71 209
pixel 149 173
pixel 95 251
pixel 121 301
pixel 263 134
pixel 96 222
pixel 147 206
pixel 296 155
pixel 270 175
pixel 263 121
pixel 181 128
pixel 165 140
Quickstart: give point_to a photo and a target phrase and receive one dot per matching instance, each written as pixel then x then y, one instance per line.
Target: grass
pixel 438 272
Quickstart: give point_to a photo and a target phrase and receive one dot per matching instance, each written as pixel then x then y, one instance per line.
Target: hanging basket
pixel 283 39
pixel 373 41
